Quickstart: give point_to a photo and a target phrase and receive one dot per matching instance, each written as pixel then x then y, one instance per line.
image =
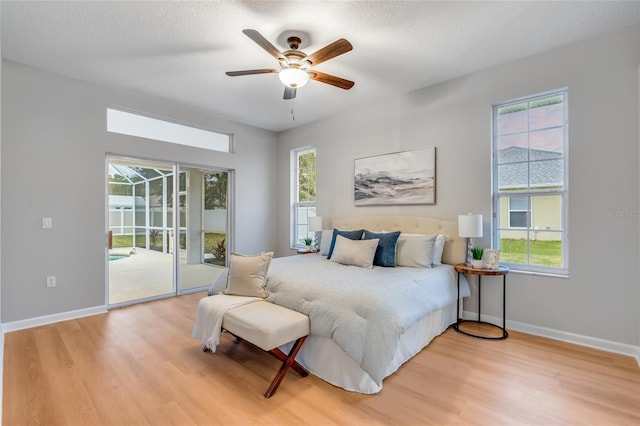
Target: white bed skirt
pixel 323 358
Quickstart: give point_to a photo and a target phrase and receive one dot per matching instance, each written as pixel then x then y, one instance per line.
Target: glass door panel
pixel 140 265
pixel 204 225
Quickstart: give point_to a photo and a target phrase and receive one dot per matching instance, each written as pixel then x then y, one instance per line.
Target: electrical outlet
pixel 47 223
pixel 51 281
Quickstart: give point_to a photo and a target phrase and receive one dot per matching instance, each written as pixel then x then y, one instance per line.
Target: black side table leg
pixel 479 294
pixel 458 305
pixel 504 306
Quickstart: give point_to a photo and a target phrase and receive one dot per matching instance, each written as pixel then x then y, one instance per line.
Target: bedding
pixel 364 311
pixel 365 323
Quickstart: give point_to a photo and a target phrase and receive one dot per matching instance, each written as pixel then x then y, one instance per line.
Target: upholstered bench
pixel 269 326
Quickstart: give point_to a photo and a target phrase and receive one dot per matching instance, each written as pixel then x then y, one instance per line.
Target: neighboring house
pixel 544 176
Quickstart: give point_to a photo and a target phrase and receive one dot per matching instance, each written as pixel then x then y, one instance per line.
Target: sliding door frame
pixel 175 222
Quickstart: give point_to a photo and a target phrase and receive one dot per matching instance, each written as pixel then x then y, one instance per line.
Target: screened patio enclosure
pixel 166 236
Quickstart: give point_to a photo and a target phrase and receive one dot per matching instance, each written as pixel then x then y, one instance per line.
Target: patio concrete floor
pixel 149 273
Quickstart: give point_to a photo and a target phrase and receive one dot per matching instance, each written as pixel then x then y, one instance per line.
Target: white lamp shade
pixel 470 225
pixel 315 223
pixel 293 77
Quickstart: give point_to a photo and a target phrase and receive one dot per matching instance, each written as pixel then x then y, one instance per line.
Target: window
pixel 530 182
pixel 303 193
pixel 127 123
pixel 518 212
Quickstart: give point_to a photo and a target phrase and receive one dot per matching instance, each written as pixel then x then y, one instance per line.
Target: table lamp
pixel 315 226
pixel 470 227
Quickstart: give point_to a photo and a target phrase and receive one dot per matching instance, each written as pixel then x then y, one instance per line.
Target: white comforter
pixel 365 311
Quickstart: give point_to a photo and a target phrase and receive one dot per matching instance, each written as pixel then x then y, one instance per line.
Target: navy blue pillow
pixel 386 251
pixel 352 235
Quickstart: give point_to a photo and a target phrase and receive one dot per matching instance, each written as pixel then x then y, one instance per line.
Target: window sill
pixel 512 269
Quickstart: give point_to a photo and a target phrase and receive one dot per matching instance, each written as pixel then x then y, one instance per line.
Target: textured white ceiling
pixel 180 50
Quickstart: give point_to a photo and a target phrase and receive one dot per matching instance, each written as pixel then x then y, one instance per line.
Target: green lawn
pixel 545 253
pixel 211 242
pixel 120 241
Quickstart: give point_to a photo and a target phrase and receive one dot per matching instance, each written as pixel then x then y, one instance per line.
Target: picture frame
pixel 400 178
pixel 491 259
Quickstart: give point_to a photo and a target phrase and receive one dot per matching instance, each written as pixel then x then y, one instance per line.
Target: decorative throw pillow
pixel 386 251
pixel 325 241
pixel 438 248
pixel 354 252
pixel 352 235
pixel 247 275
pixel 415 250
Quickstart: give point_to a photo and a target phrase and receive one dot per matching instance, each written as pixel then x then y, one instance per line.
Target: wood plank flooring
pixel 139 366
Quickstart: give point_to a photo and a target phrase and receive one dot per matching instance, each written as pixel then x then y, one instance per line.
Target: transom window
pixel 530 182
pixel 128 123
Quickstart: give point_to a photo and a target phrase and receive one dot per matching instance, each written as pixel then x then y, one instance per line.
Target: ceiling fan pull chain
pixel 293 114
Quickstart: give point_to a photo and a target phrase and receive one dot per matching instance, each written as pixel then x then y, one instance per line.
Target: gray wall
pixel 53 165
pixel 600 299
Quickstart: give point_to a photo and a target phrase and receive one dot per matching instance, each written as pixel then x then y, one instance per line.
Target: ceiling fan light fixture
pixel 293 77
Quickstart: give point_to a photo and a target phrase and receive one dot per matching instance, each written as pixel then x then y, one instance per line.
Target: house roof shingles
pixel 546 168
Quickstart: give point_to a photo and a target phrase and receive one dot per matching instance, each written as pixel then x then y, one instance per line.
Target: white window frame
pixel 295 202
pixel 563 270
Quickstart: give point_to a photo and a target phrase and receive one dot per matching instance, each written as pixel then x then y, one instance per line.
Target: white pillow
pixel 354 252
pixel 325 241
pixel 247 275
pixel 415 250
pixel 438 248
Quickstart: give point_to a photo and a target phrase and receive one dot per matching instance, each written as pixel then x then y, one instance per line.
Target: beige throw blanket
pixel 211 310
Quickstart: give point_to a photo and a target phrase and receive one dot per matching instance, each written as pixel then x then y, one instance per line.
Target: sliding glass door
pixel 168 229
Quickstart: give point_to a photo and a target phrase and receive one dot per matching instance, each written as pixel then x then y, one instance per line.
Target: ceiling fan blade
pixel 249 72
pixel 332 50
pixel 289 93
pixel 264 43
pixel 331 79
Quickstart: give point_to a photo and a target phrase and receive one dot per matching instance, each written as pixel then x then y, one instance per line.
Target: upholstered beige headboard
pixel 454 249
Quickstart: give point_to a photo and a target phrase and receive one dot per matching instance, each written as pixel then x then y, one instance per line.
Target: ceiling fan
pixel 295 65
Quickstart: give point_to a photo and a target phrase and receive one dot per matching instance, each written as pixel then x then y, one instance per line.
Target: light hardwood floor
pixel 139 365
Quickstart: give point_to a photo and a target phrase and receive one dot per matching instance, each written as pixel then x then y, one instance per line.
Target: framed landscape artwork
pixel 407 177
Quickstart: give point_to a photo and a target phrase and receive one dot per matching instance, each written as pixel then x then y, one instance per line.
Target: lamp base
pixel 469 253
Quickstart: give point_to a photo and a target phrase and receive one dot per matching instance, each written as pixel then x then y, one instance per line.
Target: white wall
pixel 601 297
pixel 1 331
pixel 53 165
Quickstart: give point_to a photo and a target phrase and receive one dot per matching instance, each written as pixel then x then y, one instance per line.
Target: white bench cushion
pixel 266 324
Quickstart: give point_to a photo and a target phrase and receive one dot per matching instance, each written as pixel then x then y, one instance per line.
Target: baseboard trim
pixel 50 319
pixel 1 369
pixel 564 336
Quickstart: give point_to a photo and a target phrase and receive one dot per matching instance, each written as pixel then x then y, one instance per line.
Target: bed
pixel 365 323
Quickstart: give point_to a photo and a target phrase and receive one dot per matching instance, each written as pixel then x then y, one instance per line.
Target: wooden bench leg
pixel 294 366
pixel 288 362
